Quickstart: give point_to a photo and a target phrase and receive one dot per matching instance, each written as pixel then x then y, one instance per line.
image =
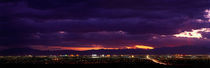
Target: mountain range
pixel 157 51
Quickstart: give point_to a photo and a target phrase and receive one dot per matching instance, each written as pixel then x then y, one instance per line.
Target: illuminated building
pixel 102 55
pixel 94 56
pixel 72 55
pixel 108 55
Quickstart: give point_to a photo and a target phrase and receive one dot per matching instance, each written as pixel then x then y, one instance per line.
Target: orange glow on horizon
pixel 82 48
pixel 41 47
pixel 144 47
pixel 140 47
pixel 70 48
pixel 129 47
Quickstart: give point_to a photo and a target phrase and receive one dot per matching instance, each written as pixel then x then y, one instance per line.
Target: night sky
pixel 103 24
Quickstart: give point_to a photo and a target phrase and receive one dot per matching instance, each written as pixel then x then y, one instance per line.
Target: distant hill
pixel 29 51
pixel 164 50
pixel 182 50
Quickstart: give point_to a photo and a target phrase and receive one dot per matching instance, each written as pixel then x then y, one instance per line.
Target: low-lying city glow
pixel 166 60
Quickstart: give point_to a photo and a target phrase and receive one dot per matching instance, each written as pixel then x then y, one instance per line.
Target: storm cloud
pixel 109 23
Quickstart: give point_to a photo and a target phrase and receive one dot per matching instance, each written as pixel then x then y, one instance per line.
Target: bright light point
pixel 193 33
pixel 144 47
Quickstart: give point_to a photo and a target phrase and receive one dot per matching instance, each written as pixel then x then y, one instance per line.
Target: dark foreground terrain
pixel 126 61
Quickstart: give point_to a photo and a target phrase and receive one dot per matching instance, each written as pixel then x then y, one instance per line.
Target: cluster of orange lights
pixel 179 55
pixel 108 55
pixel 74 55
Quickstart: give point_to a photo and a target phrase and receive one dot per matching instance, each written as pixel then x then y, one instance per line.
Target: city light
pixel 166 60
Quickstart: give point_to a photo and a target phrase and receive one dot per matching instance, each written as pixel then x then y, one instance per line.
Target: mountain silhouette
pixel 157 51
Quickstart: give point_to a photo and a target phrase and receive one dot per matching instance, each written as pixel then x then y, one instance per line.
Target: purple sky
pixel 103 23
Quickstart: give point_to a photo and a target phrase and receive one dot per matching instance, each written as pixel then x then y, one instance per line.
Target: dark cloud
pixel 111 23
